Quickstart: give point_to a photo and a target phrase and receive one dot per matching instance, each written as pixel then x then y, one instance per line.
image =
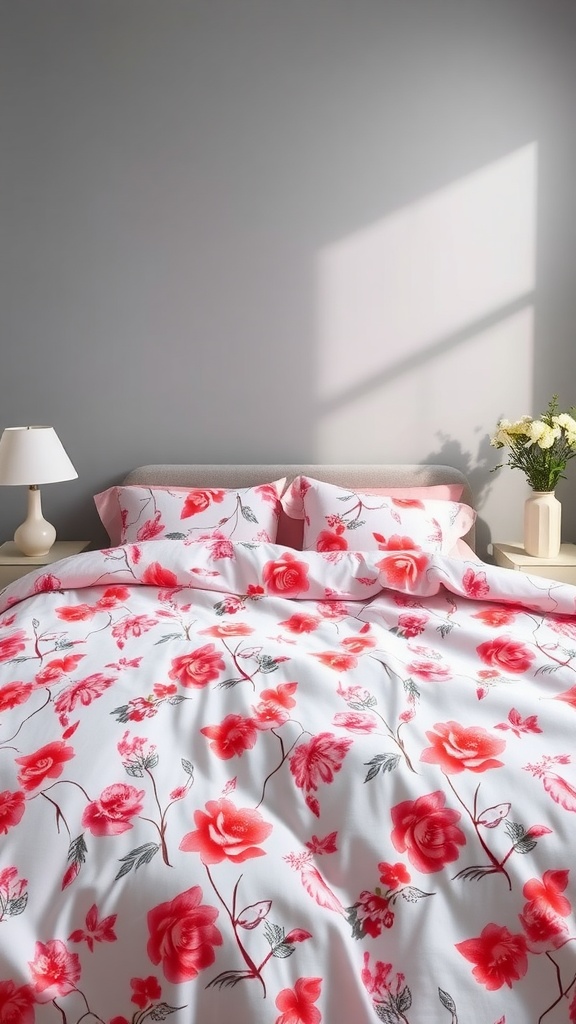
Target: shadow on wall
pixel 477 468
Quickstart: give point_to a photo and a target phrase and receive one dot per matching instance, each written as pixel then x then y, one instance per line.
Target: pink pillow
pixel 339 519
pixel 136 513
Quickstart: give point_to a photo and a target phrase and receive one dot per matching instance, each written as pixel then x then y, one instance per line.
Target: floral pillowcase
pixel 134 513
pixel 337 519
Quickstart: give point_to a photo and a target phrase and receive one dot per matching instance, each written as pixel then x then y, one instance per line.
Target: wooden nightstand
pixel 562 568
pixel 13 564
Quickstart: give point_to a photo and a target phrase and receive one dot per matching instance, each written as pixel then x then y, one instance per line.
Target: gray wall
pixel 285 230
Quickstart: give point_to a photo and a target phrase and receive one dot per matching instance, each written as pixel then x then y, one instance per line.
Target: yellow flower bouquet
pixel 541 448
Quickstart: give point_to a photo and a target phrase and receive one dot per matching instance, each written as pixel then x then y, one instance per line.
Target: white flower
pixel 541 447
pixel 567 423
pixel 542 434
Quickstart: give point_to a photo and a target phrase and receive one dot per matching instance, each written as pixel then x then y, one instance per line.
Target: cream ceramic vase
pixel 542 524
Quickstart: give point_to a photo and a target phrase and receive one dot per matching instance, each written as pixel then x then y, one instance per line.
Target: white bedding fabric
pixel 261 786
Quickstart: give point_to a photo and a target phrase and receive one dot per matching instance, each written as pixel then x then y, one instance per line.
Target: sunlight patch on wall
pixel 458 393
pixel 425 318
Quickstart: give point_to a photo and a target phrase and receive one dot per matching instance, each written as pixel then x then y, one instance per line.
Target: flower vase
pixel 542 524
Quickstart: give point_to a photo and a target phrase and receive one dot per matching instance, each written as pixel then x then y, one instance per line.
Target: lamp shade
pixel 33 455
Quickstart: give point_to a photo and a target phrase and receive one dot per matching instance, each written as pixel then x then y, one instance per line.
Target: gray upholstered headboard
pixel 353 475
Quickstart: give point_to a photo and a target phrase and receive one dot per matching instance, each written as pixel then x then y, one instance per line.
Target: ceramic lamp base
pixel 34 536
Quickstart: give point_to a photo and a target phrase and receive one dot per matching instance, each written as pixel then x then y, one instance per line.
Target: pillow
pixel 291 530
pixel 134 513
pixel 338 519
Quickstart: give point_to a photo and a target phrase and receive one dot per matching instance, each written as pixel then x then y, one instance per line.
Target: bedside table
pixel 562 569
pixel 13 564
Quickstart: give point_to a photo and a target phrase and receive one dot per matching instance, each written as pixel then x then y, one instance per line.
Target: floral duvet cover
pixel 248 784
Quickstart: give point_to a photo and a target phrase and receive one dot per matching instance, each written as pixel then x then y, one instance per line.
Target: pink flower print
pixel 16 1004
pixel 498 955
pixel 110 815
pixel 198 668
pixel 54 970
pixel 297 1004
pixel 183 936
pixel 226 832
pixel 457 748
pixel 45 763
pixel 12 806
pixel 319 760
pixel 426 830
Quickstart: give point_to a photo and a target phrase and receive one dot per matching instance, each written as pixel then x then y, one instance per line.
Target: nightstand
pixel 562 568
pixel 13 564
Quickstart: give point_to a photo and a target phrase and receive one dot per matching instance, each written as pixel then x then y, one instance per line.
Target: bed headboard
pixel 354 475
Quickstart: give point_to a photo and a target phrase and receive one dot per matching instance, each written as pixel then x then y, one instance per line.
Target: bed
pixel 287 752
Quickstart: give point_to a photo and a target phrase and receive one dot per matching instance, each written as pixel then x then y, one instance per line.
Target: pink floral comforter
pixel 258 785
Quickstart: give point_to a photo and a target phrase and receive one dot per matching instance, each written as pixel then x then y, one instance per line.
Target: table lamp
pixel 32 456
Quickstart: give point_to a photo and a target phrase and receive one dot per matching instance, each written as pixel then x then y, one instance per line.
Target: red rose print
pixel 199 668
pixel 46 763
pixel 232 737
pixel 329 540
pixel 319 760
pixel 226 832
pixel 403 569
pixel 12 807
pixel 14 694
pixel 297 1004
pixel 16 1004
pixel 427 831
pixel 499 956
pixel 198 501
pixel 183 936
pixel 54 970
pixel 456 748
pixel 506 654
pixel 12 645
pixel 111 814
pixel 286 577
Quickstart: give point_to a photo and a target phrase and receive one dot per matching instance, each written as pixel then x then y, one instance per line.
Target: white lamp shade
pixel 33 455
